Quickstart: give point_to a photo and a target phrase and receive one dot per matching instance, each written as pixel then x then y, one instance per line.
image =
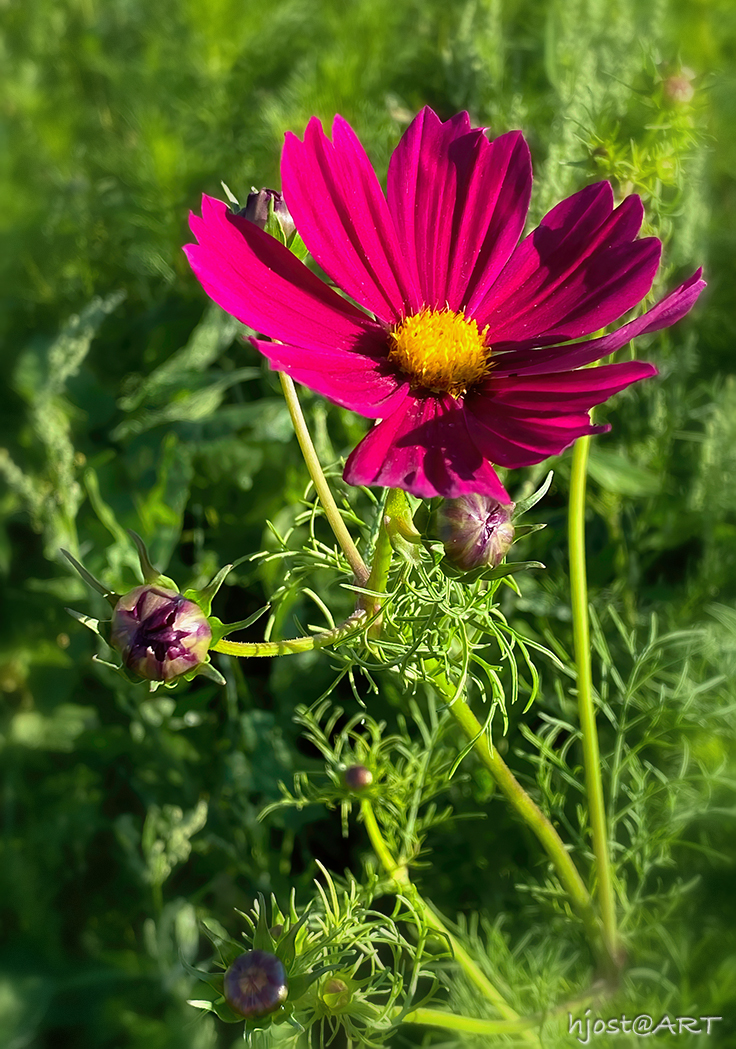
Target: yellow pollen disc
pixel 440 350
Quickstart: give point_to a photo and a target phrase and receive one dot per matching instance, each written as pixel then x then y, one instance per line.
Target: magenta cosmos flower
pixel 462 341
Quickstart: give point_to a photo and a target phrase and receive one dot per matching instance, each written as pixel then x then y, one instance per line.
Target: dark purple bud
pixel 255 984
pixel 256 210
pixel 476 530
pixel 357 777
pixel 159 633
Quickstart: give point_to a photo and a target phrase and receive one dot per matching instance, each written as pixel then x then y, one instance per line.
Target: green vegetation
pixel 133 822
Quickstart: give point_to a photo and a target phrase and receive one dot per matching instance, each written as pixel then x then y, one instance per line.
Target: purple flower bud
pixel 256 210
pixel 357 777
pixel 476 530
pixel 159 633
pixel 255 984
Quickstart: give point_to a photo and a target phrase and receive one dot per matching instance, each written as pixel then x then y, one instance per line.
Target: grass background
pixel 129 402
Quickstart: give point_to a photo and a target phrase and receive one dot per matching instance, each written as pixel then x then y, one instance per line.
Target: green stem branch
pixel 354 624
pixel 360 571
pixel 398 873
pixel 586 706
pixel 466 1024
pixel 525 807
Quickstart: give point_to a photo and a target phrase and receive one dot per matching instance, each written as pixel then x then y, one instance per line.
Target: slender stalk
pixel 360 571
pixel 354 624
pixel 526 807
pixel 466 1024
pixel 586 706
pixel 400 876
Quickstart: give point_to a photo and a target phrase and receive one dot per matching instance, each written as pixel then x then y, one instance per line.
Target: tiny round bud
pixel 678 87
pixel 255 984
pixel 336 993
pixel 159 633
pixel 256 210
pixel 276 931
pixel 476 530
pixel 357 777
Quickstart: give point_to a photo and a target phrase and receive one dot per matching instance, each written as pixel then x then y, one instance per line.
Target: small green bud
pixel 477 531
pixel 336 993
pixel 255 984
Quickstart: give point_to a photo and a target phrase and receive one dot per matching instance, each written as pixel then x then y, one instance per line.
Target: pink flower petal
pixel 340 211
pixel 578 271
pixel 365 384
pixel 508 440
pixel 425 449
pixel 260 282
pixel 671 309
pixel 557 393
pixel 459 203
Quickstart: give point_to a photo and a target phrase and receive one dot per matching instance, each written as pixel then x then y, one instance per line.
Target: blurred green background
pixel 129 402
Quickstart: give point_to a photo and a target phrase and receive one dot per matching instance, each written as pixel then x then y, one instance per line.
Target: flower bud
pixel 357 777
pixel 159 633
pixel 476 530
pixel 678 88
pixel 256 210
pixel 336 993
pixel 255 984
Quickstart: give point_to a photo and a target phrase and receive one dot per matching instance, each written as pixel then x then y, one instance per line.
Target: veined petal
pixel 425 449
pixel 560 392
pixel 513 441
pixel 459 203
pixel 369 385
pixel 260 282
pixel 529 361
pixel 578 271
pixel 341 213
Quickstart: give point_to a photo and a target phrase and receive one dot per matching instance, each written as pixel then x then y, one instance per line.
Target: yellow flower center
pixel 440 350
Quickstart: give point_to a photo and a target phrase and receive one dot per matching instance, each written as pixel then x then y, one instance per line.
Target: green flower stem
pixel 360 571
pixel 509 785
pixel 525 807
pixel 398 873
pixel 591 755
pixel 466 1024
pixel 396 506
pixel 354 624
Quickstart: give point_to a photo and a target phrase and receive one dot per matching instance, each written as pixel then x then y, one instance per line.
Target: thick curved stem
pixel 525 807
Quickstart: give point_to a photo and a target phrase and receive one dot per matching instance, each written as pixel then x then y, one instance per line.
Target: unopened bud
pixel 336 993
pixel 255 984
pixel 159 633
pixel 476 530
pixel 357 777
pixel 678 88
pixel 256 210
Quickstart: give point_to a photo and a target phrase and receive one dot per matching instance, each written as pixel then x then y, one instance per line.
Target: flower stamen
pixel 440 350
